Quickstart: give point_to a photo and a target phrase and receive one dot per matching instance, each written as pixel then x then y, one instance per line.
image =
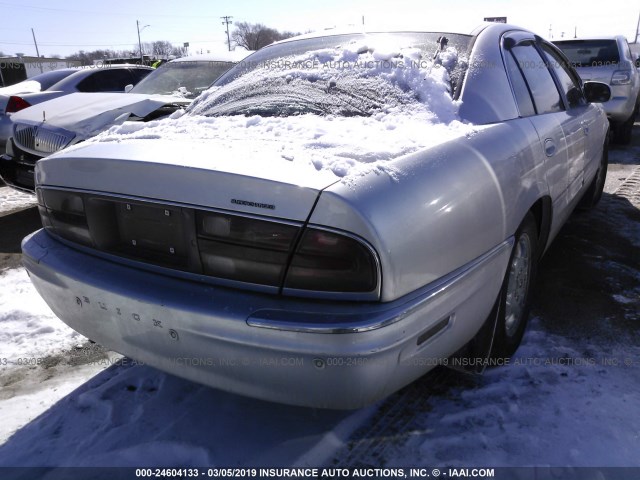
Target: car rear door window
pixel 569 83
pixel 520 89
pixel 546 96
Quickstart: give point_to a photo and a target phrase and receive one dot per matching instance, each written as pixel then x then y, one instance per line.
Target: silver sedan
pixel 336 217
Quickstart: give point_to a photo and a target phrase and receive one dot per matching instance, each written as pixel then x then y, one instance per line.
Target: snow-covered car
pixel 12 94
pixel 74 118
pixel 339 215
pixel 609 60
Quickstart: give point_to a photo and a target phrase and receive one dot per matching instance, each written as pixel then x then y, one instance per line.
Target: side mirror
pixel 597 92
pixel 128 88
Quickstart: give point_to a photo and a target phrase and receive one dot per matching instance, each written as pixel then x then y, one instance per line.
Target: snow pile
pixel 27 86
pixel 348 110
pixel 28 328
pixel 12 200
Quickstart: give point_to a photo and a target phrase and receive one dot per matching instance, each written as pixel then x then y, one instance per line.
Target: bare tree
pixel 254 36
pixel 147 48
pixel 179 51
pixel 87 58
pixel 162 48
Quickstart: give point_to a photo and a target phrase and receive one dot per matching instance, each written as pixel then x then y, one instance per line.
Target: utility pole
pixel 575 32
pixel 139 42
pixel 227 21
pixel 37 51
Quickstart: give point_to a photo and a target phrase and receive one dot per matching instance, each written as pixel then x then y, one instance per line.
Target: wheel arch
pixel 542 211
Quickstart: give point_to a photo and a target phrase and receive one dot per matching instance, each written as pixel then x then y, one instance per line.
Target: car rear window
pixel 344 75
pixel 590 53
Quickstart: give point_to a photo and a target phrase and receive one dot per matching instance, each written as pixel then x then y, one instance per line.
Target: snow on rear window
pixel 354 80
pixel 347 109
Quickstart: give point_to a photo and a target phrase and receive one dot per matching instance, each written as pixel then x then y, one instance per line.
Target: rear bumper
pixel 619 109
pixel 313 353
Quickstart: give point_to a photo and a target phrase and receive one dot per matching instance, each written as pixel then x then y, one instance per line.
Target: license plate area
pixel 155 234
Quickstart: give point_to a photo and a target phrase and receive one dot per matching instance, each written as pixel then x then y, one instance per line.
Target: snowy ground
pixel 569 398
pixel 14 201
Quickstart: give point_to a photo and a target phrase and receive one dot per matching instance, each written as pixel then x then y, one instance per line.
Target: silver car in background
pixel 73 118
pixel 609 60
pixel 219 247
pixel 10 100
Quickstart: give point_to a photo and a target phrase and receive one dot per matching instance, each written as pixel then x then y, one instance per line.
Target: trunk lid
pixel 208 174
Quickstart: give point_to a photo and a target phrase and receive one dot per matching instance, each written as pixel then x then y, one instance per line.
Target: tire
pixel 515 295
pixel 594 193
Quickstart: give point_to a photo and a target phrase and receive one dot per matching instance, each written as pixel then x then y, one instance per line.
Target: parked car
pixel 609 60
pixel 74 118
pixel 339 215
pixel 12 92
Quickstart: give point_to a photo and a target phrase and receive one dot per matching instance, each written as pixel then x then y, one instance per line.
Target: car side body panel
pixel 469 194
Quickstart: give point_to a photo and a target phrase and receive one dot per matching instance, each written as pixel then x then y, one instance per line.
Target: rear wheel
pixel 514 297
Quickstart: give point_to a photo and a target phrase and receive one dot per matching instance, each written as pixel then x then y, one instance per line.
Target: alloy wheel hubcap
pixel 518 285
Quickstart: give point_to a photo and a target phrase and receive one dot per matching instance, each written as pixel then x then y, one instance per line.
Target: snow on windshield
pixel 347 109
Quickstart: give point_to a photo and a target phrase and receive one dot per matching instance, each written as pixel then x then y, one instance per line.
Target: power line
pixel 68 44
pixel 92 44
pixel 86 12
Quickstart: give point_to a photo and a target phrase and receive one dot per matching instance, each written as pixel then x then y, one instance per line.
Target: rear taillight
pixel 64 213
pixel 621 77
pixel 244 249
pixel 285 256
pixel 331 262
pixel 15 104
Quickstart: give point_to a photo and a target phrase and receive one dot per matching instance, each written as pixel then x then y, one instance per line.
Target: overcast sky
pixel 64 27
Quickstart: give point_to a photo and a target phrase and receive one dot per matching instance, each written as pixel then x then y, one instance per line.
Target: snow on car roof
pixel 413 109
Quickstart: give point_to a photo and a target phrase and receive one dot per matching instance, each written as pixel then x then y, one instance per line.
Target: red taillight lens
pixel 15 104
pixel 64 213
pixel 244 249
pixel 331 262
